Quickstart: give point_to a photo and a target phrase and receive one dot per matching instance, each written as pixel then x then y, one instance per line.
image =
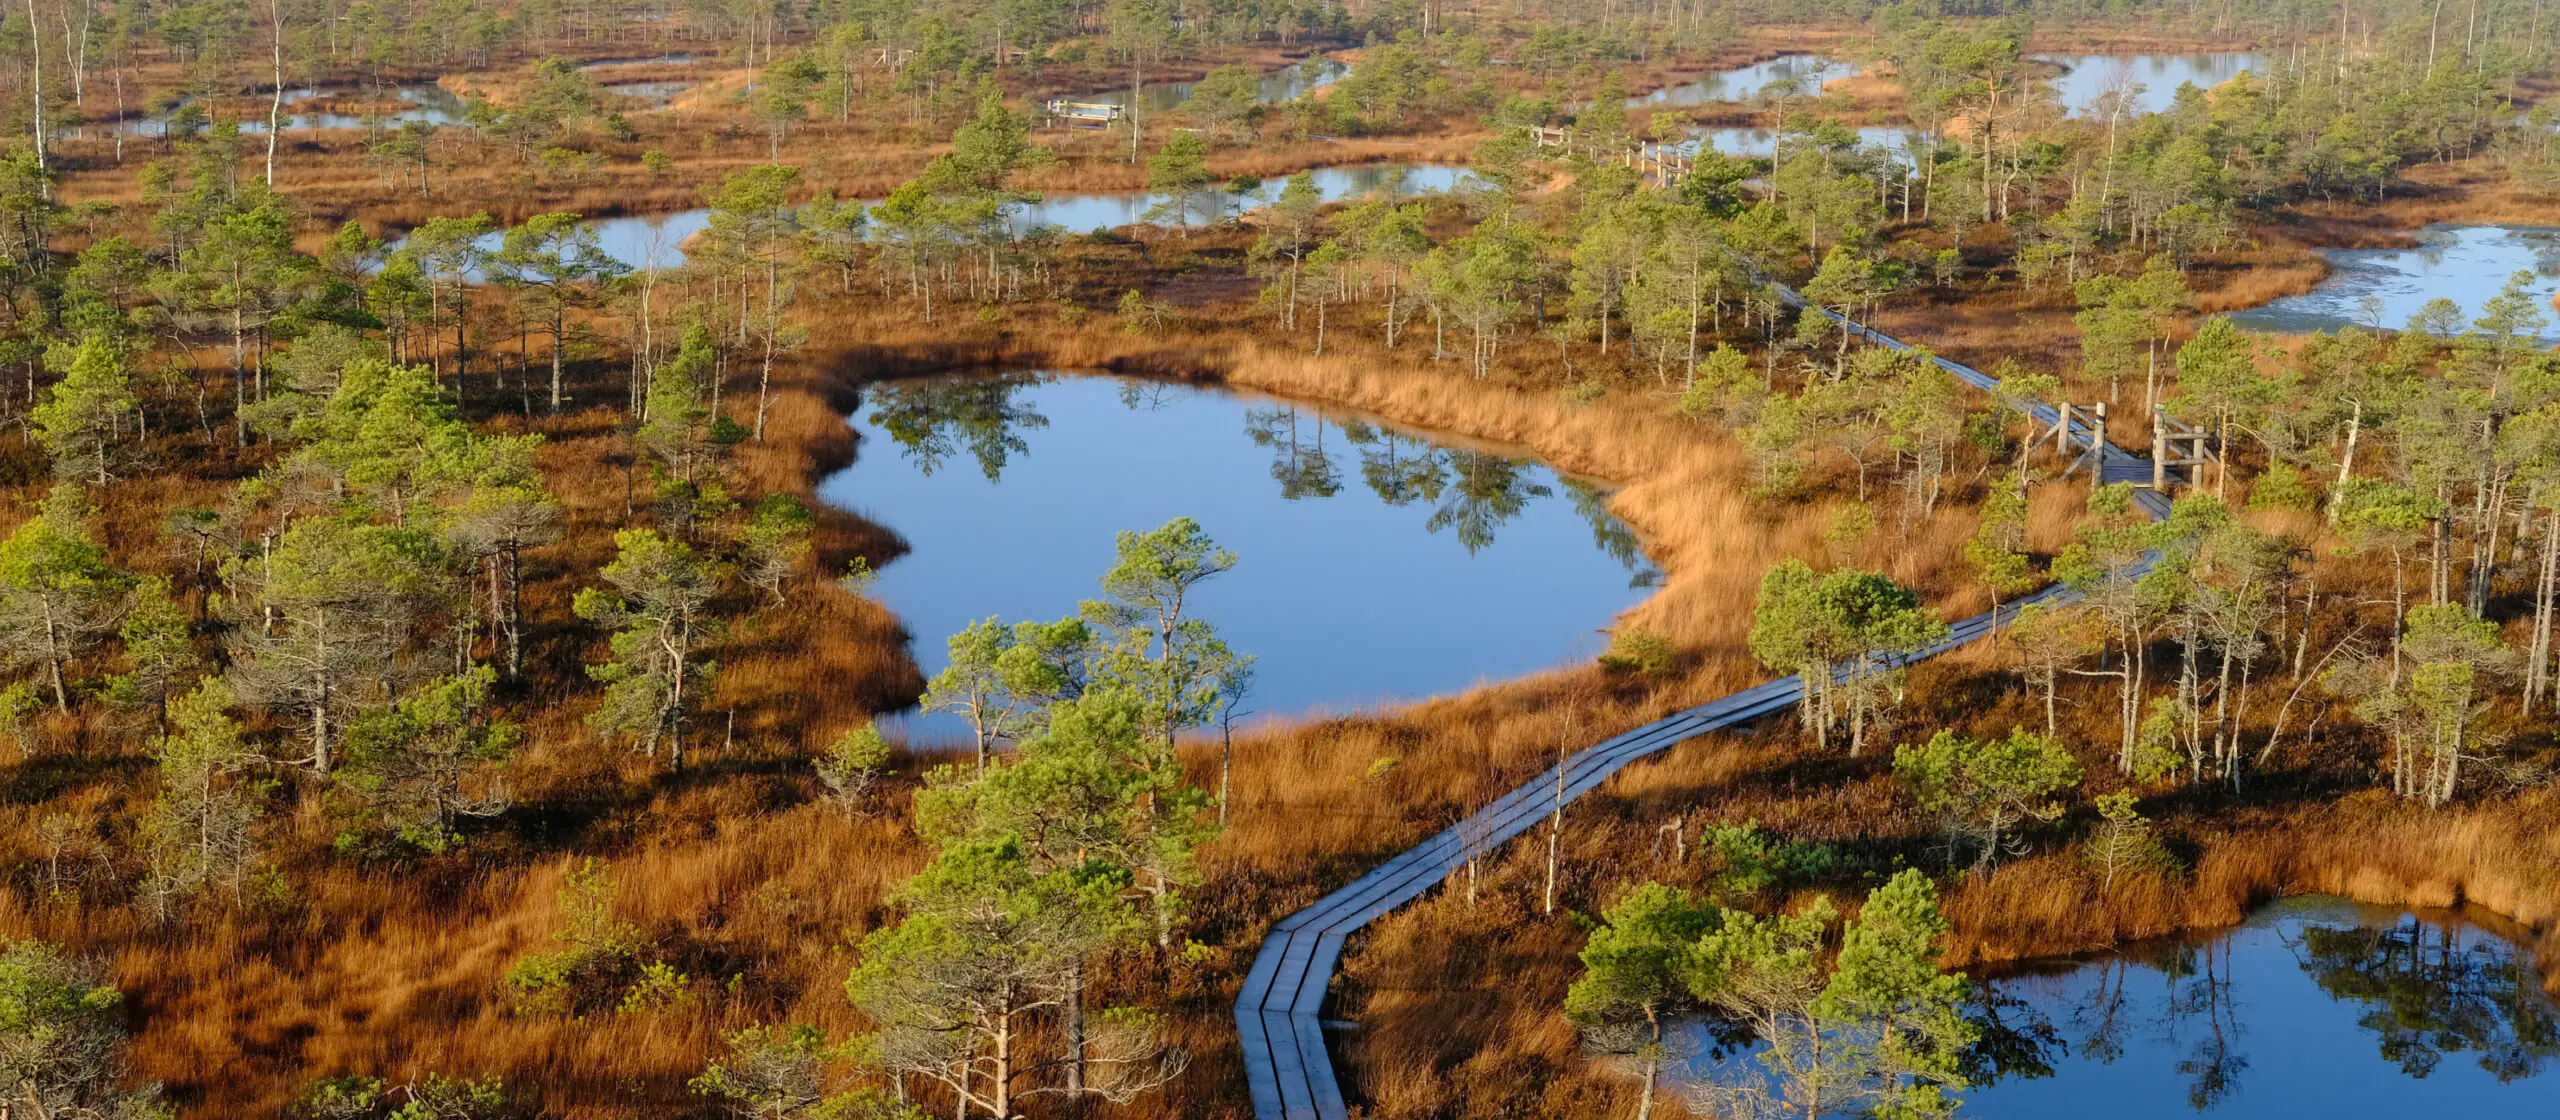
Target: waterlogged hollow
pixel 633 240
pixel 656 93
pixel 656 240
pixel 2149 82
pixel 1088 213
pixel 2383 288
pixel 675 59
pixel 1802 74
pixel 1374 564
pixel 1287 83
pixel 431 104
pixel 2313 1007
pixel 1762 143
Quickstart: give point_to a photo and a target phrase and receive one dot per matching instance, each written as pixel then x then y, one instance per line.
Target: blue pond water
pixel 649 240
pixel 638 241
pixel 1375 564
pixel 2384 287
pixel 432 104
pixel 1763 142
pixel 2314 1007
pixel 644 60
pixel 657 93
pixel 2151 80
pixel 1806 73
pixel 1287 83
pixel 1087 213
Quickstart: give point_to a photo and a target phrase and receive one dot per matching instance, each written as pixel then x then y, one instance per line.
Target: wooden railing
pixel 1083 112
pixel 1661 164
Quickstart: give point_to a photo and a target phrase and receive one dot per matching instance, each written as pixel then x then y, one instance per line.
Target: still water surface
pixel 433 104
pixel 2383 288
pixel 2314 1007
pixel 1287 83
pixel 1762 143
pixel 1374 564
pixel 1088 213
pixel 656 93
pixel 634 239
pixel 2151 80
pixel 647 60
pixel 1803 74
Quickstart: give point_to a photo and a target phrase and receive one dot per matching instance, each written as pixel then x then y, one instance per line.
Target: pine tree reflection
pixel 934 420
pixel 1611 534
pixel 2012 1039
pixel 1490 491
pixel 2200 986
pixel 2436 989
pixel 1398 468
pixel 1299 463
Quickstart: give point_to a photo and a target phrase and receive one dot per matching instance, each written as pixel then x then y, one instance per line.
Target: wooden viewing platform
pixel 1084 112
pixel 1663 165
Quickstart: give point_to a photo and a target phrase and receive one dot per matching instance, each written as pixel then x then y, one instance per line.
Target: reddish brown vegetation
pixel 735 872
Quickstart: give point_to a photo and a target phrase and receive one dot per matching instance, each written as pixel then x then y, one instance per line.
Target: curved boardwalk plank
pixel 1286 1065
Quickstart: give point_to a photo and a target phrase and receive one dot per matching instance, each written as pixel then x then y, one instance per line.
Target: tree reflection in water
pixel 1298 464
pixel 2423 989
pixel 1398 468
pixel 2012 1039
pixel 1488 490
pixel 2200 987
pixel 1611 534
pixel 2101 1018
pixel 1112 453
pixel 1472 493
pixel 2431 990
pixel 2196 1019
pixel 1141 395
pixel 936 419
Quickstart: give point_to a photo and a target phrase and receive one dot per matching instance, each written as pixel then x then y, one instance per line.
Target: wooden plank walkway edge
pixel 1287 1067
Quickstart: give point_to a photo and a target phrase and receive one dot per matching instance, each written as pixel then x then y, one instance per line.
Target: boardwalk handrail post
pixel 2097 442
pixel 1661 164
pixel 2066 437
pixel 2159 450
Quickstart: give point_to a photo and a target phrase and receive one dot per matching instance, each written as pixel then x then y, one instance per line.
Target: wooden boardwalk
pixel 2115 464
pixel 1287 1066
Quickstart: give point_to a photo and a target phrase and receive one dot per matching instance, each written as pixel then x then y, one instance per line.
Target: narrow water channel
pixel 1375 564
